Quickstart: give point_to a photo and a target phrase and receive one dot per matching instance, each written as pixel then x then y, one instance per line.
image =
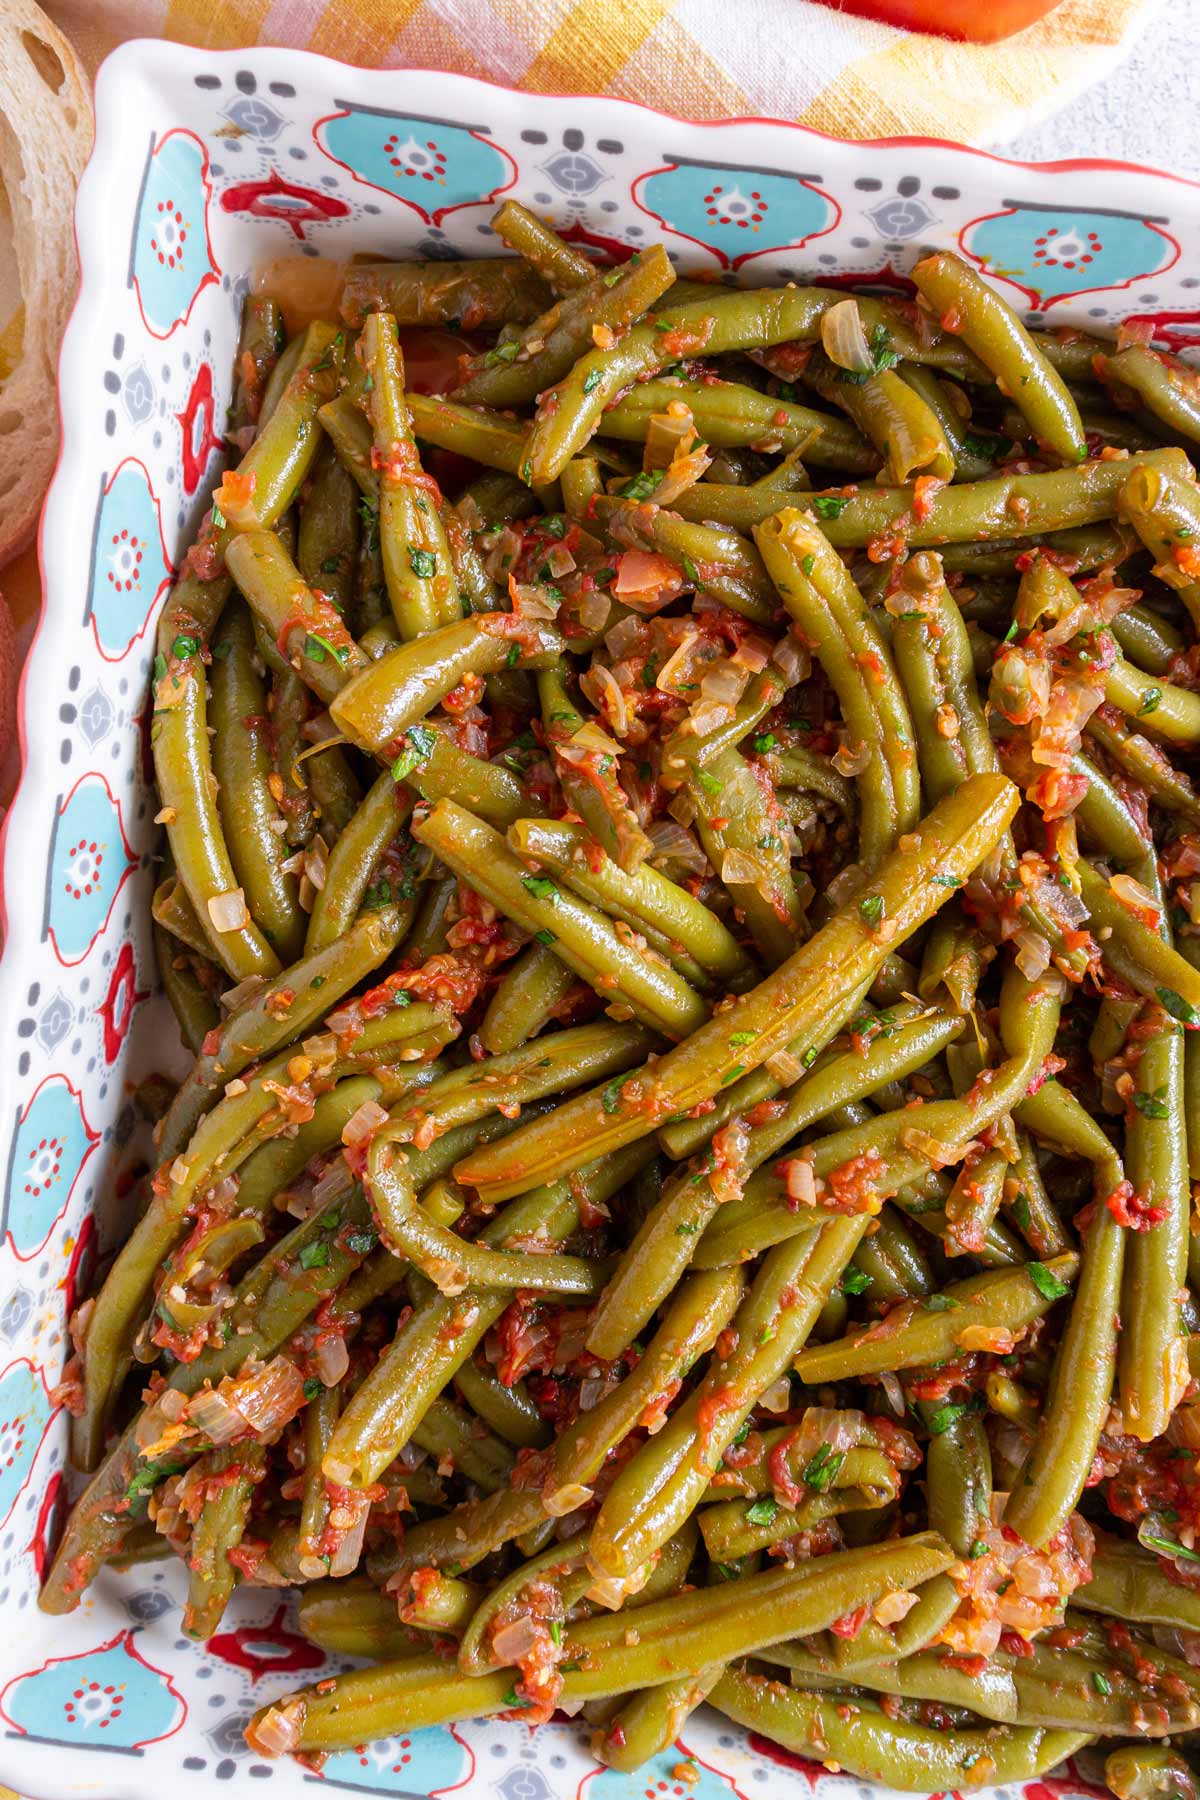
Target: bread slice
pixel 45 136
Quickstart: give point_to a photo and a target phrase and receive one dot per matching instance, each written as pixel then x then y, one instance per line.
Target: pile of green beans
pixel 681 886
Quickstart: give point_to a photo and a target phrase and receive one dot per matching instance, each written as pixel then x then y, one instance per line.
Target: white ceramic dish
pixel 207 165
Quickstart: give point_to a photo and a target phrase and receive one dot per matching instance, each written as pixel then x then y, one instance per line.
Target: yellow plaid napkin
pixel 701 58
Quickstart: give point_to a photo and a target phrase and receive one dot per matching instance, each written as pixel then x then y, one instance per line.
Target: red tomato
pixel 952 18
pixel 432 358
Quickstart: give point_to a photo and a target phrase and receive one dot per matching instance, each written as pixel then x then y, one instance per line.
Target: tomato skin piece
pixel 952 18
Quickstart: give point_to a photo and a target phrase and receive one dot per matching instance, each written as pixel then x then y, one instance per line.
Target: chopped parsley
pixel 762 1512
pixel 1153 1106
pixel 1150 699
pixel 420 741
pixel 610 1099
pixel 314 1256
pixel 540 886
pixel 592 380
pixel 854 1281
pixel 1047 1285
pixel 870 909
pixel 828 506
pixel 423 563
pixel 820 1473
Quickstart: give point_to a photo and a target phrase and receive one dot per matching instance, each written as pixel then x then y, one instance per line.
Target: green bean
pixel 546 352
pixel 385 698
pixel 675 923
pixel 1058 1463
pixel 739 830
pixel 728 414
pixel 893 416
pixel 443 1332
pixel 509 1411
pixel 352 863
pixel 968 307
pixel 325 655
pixel 1140 1770
pixel 259 344
pixel 653 1719
pixel 171 908
pixel 270 1304
pixel 671 1640
pixel 242 766
pixel 1164 385
pixel 222 1141
pixel 1152 1367
pixel 195 1010
pixel 541 246
pixel 1145 763
pixel 417 564
pixel 864 1481
pixel 281 374
pixel 1004 1299
pixel 288 707
pixel 276 1014
pixel 1159 500
pixel 1160 707
pixel 582 936
pixel 218 1530
pixel 1148 962
pixel 327 542
pixel 451 1435
pixel 1147 639
pixel 975 511
pixel 807 992
pixel 587 775
pixel 448 1261
pixel 863 1741
pixel 527 997
pixel 816 587
pixel 471 295
pixel 352 1618
pixel 720 563
pixel 429 933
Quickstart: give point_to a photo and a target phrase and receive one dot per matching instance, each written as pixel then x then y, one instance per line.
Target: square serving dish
pixel 206 166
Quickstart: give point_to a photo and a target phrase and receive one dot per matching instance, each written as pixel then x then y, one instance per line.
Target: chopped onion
pixel 800 1182
pixel 336 1181
pixel 514 1641
pixel 1033 953
pixel 1133 895
pixel 778 1397
pixel 236 997
pixel 684 472
pixel 277 1731
pixel 791 659
pixel 895 1393
pixel 602 689
pixel 560 561
pixel 624 636
pixel 229 911
pixel 724 683
pixel 844 340
pixel 588 739
pixel 839 1427
pixel 364 1122
pixel 851 758
pixel 568 1499
pixel 677 667
pixel 591 1392
pixel 672 844
pixel 331 1359
pixel 533 602
pixel 346 1556
pixel 784 1068
pixel 893 1607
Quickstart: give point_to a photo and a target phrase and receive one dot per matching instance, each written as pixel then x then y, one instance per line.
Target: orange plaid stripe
pixel 590 46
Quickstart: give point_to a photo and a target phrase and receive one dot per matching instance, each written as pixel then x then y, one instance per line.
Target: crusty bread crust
pixel 45 136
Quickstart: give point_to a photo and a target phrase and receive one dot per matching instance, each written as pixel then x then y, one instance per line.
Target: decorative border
pixel 132 392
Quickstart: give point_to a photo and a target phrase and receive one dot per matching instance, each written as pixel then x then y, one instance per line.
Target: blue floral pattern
pixel 171 263
pixel 735 213
pixel 130 569
pixel 89 862
pixel 109 1697
pixel 430 164
pixel 24 1415
pixel 1051 253
pixel 208 166
pixel 52 1142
